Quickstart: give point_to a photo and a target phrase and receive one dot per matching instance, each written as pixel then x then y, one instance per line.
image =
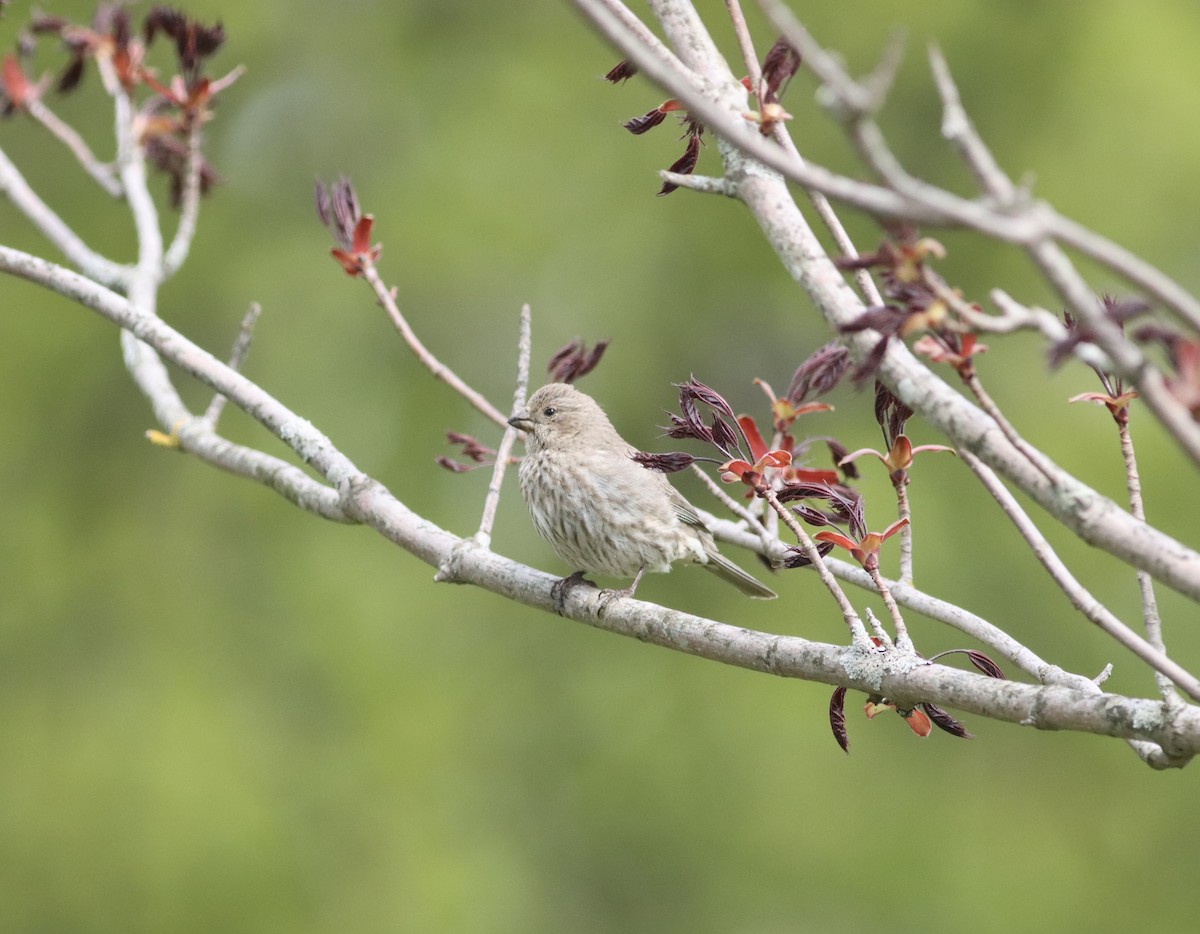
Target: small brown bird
pixel 602 511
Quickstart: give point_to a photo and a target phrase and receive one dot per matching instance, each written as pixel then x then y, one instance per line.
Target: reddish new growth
pixel 474 450
pixel 178 105
pixel 920 718
pixel 1183 355
pixel 685 164
pixel 779 65
pixel 574 360
pixel 915 304
pixel 864 549
pixel 892 414
pixel 651 118
pixel 621 72
pixel 1185 384
pixel 777 69
pixel 16 90
pixel 337 207
pixel 765 468
pixel 747 457
pixel 693 129
pixel 1115 397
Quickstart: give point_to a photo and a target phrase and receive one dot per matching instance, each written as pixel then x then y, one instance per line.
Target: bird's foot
pixel 607 596
pixel 558 592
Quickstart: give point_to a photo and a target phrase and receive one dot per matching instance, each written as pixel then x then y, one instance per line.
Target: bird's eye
pixel 549 411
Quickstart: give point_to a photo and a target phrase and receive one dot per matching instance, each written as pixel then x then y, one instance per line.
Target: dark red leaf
pixel 622 71
pixel 724 437
pixel 779 65
pixel 869 365
pixel 708 396
pixel 338 209
pixel 796 558
pixel 1120 310
pixel 811 515
pixel 693 423
pixel 684 165
pixel 882 318
pixel 47 24
pixel 819 373
pixel 647 121
pixel 838 451
pixel 452 466
pixel 574 360
pixel 890 413
pixel 984 664
pixel 472 447
pixel 669 462
pixel 72 74
pixel 944 721
pixel 837 719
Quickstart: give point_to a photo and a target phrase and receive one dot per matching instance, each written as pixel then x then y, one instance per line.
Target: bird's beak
pixel 521 420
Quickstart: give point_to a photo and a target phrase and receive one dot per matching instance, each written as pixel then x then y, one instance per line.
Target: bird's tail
pixel 728 571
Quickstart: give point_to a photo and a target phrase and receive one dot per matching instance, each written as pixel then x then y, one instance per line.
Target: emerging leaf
pixel 684 165
pixel 574 360
pixel 918 721
pixel 780 64
pixel 670 462
pixel 944 721
pixel 647 121
pixel 984 664
pixel 622 71
pixel 837 719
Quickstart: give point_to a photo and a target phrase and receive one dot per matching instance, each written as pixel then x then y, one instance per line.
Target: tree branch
pixel 1094 518
pixel 900 675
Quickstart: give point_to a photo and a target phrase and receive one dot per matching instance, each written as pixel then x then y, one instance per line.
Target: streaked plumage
pixel 602 511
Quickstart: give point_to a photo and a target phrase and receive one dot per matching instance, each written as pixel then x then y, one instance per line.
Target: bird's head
pixel 558 414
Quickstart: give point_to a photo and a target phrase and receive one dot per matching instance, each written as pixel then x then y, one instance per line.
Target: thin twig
pixel 904 511
pixel 902 638
pixel 958 128
pixel 524 351
pixel 1050 325
pixel 1056 267
pixel 435 366
pixel 857 632
pixel 189 209
pixel 753 524
pixel 18 191
pixel 988 404
pixel 1079 596
pixel 829 218
pixel 100 172
pixel 237 356
pixel 877 627
pixel 1152 620
pixel 705 184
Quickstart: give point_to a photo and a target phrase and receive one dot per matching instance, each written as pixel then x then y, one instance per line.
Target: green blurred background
pixel 220 714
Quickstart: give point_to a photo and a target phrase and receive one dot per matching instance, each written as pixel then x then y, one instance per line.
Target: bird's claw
pixel 560 590
pixel 607 596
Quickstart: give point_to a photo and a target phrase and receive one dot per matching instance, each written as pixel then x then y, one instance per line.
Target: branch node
pixel 450 570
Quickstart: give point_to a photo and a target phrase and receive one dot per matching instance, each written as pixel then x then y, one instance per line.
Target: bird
pixel 601 511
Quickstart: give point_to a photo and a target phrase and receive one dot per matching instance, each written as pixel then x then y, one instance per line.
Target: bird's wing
pixel 684 510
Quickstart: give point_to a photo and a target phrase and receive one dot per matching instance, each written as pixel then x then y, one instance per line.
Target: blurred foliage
pixel 217 713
